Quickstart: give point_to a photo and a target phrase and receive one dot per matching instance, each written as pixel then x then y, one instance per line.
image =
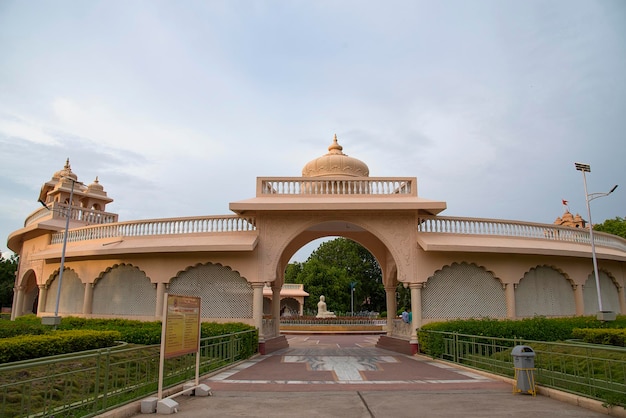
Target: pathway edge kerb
pixel 133 408
pixel 559 395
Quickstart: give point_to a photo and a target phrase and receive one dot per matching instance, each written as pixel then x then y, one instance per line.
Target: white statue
pixel 321 309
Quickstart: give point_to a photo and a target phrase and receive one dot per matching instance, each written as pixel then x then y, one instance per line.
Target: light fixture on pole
pixel 56 319
pixel 586 168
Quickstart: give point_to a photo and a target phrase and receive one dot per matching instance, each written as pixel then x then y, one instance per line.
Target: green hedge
pixel 616 337
pixel 25 347
pixel 536 329
pixel 15 328
pixel 131 331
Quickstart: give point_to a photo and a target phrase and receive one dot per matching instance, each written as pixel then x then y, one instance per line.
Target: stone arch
pixel 353 230
pixel 463 290
pixel 224 292
pixel 370 245
pixel 285 237
pixel 31 293
pixel 303 227
pixel 608 291
pixel 545 290
pixel 123 289
pixel 289 307
pixel 71 296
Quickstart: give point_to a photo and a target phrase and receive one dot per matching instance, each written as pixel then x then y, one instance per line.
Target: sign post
pixel 180 332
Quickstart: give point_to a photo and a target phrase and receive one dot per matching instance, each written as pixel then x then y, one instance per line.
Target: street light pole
pixel 352 286
pixel 586 168
pixel 55 320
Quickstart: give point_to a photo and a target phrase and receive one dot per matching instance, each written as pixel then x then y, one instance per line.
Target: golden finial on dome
pixel 66 171
pixel 335 148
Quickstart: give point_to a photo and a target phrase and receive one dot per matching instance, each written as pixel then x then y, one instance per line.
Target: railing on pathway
pixel 589 370
pixel 89 383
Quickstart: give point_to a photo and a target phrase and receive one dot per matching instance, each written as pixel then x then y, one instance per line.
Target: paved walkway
pixel 347 376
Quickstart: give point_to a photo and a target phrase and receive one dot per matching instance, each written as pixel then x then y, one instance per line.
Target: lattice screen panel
pixel 610 297
pixel 72 294
pixel 463 291
pixel 124 290
pixel 544 291
pixel 224 293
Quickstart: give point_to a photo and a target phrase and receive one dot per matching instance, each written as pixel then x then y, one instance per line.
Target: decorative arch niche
pixel 463 290
pixel 545 290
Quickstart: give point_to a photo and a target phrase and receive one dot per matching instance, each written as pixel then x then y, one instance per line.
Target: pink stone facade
pixel 454 267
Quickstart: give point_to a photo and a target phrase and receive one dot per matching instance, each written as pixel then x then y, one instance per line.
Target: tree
pixel 292 271
pixel 8 268
pixel 329 271
pixel 615 226
pixel 322 279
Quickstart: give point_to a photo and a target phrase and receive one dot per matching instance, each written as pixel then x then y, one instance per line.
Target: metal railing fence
pixel 589 370
pixel 89 383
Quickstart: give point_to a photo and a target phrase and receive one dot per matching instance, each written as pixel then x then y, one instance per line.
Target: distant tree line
pixel 8 268
pixel 615 226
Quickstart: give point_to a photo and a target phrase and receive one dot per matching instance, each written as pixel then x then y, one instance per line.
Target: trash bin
pixel 524 364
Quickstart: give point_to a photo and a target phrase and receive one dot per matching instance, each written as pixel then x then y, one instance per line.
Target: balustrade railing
pixel 293 286
pixel 172 226
pixel 77 213
pixel 503 228
pixel 298 186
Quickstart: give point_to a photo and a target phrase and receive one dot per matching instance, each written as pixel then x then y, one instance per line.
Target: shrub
pixel 25 347
pixel 13 329
pixel 616 337
pixel 536 329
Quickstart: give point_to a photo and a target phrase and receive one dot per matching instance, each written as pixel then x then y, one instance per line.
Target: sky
pixel 177 107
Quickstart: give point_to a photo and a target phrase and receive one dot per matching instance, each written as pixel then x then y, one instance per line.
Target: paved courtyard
pixel 347 376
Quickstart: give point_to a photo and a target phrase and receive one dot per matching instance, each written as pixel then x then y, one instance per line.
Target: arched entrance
pixel 30 301
pixel 336 197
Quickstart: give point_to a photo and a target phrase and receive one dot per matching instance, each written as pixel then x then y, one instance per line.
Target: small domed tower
pixel 58 189
pixel 570 220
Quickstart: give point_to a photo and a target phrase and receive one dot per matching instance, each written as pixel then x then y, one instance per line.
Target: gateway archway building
pixel 454 267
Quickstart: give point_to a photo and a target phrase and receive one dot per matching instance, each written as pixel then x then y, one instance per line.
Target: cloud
pixel 25 130
pixel 104 126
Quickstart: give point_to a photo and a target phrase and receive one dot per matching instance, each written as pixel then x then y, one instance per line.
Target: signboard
pixel 180 332
pixel 182 326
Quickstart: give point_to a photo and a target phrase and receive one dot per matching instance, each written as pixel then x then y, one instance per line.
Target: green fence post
pixel 107 376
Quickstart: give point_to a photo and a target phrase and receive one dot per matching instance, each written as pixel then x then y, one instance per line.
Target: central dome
pixel 334 164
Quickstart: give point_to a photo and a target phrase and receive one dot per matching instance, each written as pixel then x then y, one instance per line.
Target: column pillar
pixel 509 294
pixel 19 300
pixel 88 299
pixel 416 313
pixel 390 296
pixel 622 300
pixel 43 295
pixel 257 308
pixel 579 299
pixel 276 309
pixel 160 297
